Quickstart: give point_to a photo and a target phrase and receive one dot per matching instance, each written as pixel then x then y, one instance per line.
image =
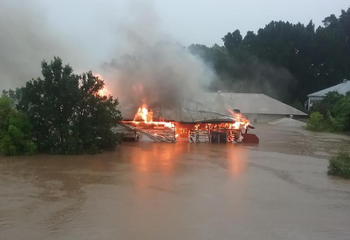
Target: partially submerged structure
pixel 209 117
pixel 341 88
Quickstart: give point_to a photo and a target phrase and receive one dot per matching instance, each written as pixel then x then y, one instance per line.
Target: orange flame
pixel 240 121
pixel 103 91
pixel 144 115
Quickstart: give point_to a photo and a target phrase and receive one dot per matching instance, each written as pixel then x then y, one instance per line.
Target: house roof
pixel 249 103
pixel 215 107
pixel 341 88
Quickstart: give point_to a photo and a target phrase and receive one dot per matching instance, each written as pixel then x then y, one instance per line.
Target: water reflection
pixel 56 186
pixel 170 159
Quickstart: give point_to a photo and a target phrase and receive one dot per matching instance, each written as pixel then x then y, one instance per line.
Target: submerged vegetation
pixel 61 113
pixel 331 114
pixel 15 130
pixel 339 165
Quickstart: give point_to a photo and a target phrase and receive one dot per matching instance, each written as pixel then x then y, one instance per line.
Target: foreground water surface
pixel 276 190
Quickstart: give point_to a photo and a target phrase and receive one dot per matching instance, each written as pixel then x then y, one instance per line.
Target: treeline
pixel 284 60
pixel 61 113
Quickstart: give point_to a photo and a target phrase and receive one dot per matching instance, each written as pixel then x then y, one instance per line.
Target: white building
pixel 341 88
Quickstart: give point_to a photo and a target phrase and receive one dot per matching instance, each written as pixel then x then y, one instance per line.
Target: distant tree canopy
pixel 284 60
pixel 66 112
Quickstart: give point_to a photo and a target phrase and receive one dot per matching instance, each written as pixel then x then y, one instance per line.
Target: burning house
pixel 190 122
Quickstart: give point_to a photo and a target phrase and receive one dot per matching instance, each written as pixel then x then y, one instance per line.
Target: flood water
pixel 276 190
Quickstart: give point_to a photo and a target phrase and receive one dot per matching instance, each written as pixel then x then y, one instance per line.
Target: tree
pixel 232 40
pixel 67 112
pixel 283 55
pixel 15 130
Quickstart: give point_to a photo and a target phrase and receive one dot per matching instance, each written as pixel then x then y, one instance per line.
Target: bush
pixel 316 122
pixel 94 150
pixel 326 123
pixel 15 130
pixel 339 165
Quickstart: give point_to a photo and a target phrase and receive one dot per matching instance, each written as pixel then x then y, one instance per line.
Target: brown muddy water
pixel 277 190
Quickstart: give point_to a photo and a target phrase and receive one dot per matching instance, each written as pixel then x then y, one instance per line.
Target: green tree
pixel 15 130
pixel 67 112
pixel 283 57
pixel 232 40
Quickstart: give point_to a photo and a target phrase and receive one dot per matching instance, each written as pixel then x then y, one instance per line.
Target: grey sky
pixel 195 21
pixel 86 33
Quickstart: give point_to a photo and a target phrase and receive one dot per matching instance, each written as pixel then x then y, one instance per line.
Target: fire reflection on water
pixel 166 158
pixel 237 160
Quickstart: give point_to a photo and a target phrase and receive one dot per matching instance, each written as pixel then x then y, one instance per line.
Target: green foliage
pixel 342 112
pixel 316 122
pixel 93 150
pixel 321 123
pixel 15 130
pixel 339 165
pixel 328 103
pixel 335 112
pixel 284 60
pixel 67 113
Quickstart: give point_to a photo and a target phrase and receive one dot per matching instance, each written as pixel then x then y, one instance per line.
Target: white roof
pixel 341 88
pixel 249 103
pixel 216 106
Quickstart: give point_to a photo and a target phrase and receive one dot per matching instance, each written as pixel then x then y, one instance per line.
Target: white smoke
pixel 157 70
pixel 148 63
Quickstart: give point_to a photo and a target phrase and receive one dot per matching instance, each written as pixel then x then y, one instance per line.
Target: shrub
pixel 316 122
pixel 327 123
pixel 93 150
pixel 15 130
pixel 339 165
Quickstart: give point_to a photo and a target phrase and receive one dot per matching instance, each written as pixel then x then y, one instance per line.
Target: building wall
pixel 313 100
pixel 262 118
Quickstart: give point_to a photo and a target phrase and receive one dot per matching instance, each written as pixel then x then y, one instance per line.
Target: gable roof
pixel 216 106
pixel 341 88
pixel 250 103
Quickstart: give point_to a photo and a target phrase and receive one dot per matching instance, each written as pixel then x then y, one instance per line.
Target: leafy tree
pixel 67 112
pixel 283 58
pixel 232 40
pixel 15 130
pixel 342 112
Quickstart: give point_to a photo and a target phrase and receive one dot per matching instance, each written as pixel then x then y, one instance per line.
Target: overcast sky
pixel 86 33
pixel 185 21
pixel 197 21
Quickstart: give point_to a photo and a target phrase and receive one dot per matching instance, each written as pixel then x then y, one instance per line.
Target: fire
pixel 176 131
pixel 144 114
pixel 240 121
pixel 103 91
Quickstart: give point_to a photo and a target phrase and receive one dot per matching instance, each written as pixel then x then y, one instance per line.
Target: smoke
pixel 148 65
pixel 255 76
pixel 156 70
pixel 27 37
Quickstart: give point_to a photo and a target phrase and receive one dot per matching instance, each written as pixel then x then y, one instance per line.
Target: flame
pixel 240 121
pixel 103 91
pixel 144 119
pixel 145 116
